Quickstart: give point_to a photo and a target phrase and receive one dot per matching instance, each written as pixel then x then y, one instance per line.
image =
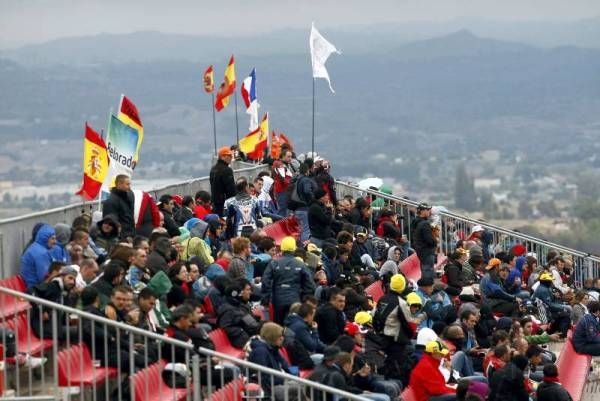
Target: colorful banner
pixel 121 144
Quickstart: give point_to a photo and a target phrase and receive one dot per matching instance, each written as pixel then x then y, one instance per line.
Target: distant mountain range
pixel 449 95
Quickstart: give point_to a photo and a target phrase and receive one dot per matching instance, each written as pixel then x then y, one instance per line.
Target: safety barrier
pixel 127 362
pixel 16 232
pixel 585 265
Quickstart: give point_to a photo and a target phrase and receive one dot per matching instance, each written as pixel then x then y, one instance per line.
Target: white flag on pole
pixel 320 50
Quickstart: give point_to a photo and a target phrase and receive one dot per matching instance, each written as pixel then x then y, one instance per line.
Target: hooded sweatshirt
pixel 517 271
pixel 36 259
pixel 59 252
pixel 265 202
pixel 195 245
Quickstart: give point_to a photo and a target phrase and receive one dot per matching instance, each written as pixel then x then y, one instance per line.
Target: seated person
pixel 586 338
pixel 426 380
pixel 235 315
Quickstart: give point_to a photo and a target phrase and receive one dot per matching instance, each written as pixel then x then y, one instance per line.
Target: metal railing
pixel 585 265
pixel 15 232
pixel 128 355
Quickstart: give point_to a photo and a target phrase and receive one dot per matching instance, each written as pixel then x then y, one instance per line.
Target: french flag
pixel 249 96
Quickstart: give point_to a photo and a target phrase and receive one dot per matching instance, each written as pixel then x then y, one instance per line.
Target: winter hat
pixel 436 347
pixel 425 282
pixel 190 223
pixel 478 389
pixel 397 283
pixel 413 299
pixel 288 244
pixel 160 284
pixel 319 193
pixel 211 217
pixel 63 233
pixel 518 250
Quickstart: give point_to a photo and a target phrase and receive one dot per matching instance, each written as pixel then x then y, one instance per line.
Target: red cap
pixel 352 329
pixel 178 199
pixel 518 250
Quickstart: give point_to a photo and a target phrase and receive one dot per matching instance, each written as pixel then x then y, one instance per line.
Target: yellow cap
pixel 436 347
pixel 546 277
pixel 288 244
pixel 363 318
pixel 494 262
pixel 413 299
pixel 397 283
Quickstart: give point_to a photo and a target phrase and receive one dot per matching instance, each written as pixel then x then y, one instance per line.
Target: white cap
pixel 476 229
pixel 426 335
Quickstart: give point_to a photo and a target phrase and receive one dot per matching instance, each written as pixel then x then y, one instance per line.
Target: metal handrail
pixel 501 230
pixel 161 338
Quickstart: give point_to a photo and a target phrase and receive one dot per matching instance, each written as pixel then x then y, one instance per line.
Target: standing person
pixel 222 183
pixel 36 259
pixel 120 203
pixel 301 198
pixel 282 174
pixel 242 211
pixel 285 281
pixel 320 218
pixel 423 241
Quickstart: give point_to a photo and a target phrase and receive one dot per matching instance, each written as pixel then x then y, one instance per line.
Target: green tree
pixel 464 190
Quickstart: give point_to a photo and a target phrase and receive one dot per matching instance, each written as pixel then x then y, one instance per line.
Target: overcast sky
pixel 35 21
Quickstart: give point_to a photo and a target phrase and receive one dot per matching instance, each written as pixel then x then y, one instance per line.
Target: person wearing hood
pixel 159 258
pixel 120 203
pixel 493 292
pixel 285 281
pixel 514 282
pixel 36 259
pixel 265 352
pixel 195 245
pixel 105 233
pixel 388 225
pixel 265 202
pixel 320 218
pixel 235 315
pixel 59 252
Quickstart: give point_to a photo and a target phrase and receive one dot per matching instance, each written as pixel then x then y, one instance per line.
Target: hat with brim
pixel 494 262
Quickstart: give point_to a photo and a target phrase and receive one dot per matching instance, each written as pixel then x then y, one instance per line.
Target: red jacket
pixel 426 380
pixel 201 211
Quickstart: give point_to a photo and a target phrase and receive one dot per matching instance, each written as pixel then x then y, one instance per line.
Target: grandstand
pixel 71 369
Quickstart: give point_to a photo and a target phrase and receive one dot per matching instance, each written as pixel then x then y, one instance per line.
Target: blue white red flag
pixel 249 96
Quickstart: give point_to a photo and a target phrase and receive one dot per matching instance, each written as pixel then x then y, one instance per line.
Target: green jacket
pixel 543 338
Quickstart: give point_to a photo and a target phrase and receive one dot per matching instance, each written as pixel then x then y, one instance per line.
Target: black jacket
pixel 330 323
pixel 236 319
pixel 52 292
pixel 158 258
pixel 422 241
pixel 170 224
pixel 508 383
pixel 549 391
pixel 285 281
pixel 120 204
pixel 320 219
pixel 454 274
pixel 357 219
pixel 182 215
pixel 222 185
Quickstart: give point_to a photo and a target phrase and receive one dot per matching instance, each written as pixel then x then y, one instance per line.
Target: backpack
pixel 380 316
pixel 294 199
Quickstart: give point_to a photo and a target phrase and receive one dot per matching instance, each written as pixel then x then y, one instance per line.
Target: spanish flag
pixel 129 115
pixel 95 164
pixel 209 80
pixel 261 140
pixel 276 142
pixel 227 88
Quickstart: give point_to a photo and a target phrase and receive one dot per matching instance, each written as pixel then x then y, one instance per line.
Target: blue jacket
pixel 491 289
pixel 59 253
pixel 268 356
pixel 36 259
pixel 285 281
pixel 544 293
pixel 304 334
pixel 516 272
pixel 586 332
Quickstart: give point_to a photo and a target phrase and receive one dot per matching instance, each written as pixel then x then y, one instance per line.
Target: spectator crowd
pixel 475 326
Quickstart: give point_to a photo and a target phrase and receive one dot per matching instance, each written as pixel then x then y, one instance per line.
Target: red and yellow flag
pixel 227 88
pixel 276 142
pixel 209 80
pixel 261 140
pixel 95 164
pixel 129 115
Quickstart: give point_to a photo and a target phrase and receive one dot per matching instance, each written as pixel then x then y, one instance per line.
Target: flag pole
pixel 110 112
pixel 212 106
pixel 237 128
pixel 313 118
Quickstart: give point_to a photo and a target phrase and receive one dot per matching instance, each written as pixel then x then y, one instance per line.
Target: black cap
pixel 423 206
pixel 425 281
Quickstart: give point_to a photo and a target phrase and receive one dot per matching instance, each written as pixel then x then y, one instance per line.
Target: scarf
pixel 549 379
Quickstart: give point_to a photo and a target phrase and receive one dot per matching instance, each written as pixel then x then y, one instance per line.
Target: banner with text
pixel 121 144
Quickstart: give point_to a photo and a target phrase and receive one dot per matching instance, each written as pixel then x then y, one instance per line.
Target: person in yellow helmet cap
pixel 285 281
pixel 393 321
pixel 363 318
pixel 560 313
pixel 426 379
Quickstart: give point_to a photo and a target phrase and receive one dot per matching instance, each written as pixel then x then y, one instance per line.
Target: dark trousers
pixel 280 311
pixel 588 349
